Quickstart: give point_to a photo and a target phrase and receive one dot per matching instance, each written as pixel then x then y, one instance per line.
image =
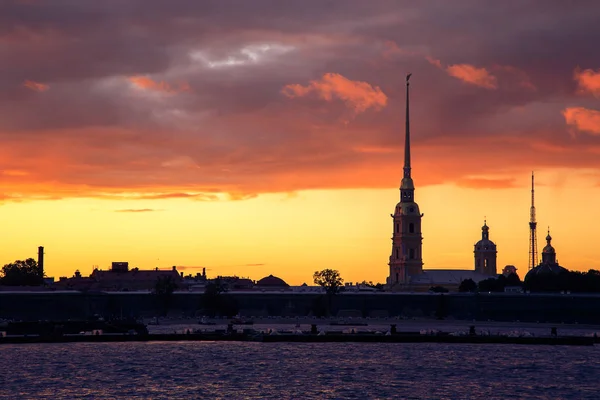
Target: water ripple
pixel 219 370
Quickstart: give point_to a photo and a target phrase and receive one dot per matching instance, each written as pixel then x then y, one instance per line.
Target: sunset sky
pixel 266 137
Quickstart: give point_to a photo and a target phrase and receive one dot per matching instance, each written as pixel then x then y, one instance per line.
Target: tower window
pixel 397 227
pixel 397 277
pixel 411 228
pixel 397 253
pixel 411 253
pixel 485 263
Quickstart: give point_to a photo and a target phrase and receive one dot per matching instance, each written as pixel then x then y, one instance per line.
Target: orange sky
pixel 268 140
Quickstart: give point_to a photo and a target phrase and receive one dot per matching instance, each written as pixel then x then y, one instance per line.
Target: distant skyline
pixel 257 138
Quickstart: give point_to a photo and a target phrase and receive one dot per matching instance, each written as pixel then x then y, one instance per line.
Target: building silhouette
pixel 485 253
pixel 406 259
pixel 549 264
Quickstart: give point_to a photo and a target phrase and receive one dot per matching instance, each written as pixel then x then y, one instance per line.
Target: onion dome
pixel 485 228
pixel 548 249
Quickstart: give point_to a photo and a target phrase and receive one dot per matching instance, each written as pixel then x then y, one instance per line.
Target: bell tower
pixel 406 258
pixel 485 253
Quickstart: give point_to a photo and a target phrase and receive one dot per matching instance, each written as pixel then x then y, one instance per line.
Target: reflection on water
pixel 188 370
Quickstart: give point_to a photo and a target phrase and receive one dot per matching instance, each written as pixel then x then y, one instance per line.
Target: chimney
pixel 40 261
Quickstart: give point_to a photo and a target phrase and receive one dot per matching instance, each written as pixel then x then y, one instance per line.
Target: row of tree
pixel 497 284
pixel 572 281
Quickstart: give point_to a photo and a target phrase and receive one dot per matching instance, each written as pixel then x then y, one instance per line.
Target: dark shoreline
pixel 306 338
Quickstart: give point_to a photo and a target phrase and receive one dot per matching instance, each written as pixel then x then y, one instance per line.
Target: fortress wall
pixel 499 307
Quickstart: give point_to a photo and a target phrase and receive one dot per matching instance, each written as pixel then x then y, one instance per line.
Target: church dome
pixel 485 243
pixel 272 281
pixel 549 265
pixel 544 269
pixel 409 208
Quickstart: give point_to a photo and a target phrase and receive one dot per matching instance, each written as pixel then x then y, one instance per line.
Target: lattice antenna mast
pixel 532 210
pixel 533 258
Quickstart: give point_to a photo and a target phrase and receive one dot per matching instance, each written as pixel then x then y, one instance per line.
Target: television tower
pixel 533 258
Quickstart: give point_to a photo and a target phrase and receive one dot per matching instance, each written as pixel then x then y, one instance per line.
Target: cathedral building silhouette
pixel 406 260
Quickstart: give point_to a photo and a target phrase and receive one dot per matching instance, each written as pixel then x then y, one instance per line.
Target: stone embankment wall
pixel 500 307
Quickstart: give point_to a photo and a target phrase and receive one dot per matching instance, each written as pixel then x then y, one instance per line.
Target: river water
pixel 241 370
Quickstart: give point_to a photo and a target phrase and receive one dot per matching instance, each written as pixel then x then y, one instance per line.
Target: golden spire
pixel 407 182
pixel 407 132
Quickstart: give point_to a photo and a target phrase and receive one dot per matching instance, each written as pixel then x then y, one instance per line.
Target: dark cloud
pixel 183 99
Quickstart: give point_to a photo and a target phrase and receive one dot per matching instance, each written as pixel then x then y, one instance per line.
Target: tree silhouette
pixel 510 280
pixel 22 273
pixel 574 281
pixel 467 285
pixel 331 281
pixel 499 283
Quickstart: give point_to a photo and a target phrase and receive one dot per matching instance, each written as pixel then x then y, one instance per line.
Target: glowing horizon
pixel 358 246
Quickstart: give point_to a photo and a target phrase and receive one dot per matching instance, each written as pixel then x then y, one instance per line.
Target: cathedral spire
pixel 407 132
pixel 406 259
pixel 407 187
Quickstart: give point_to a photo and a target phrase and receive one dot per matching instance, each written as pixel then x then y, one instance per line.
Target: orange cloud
pixel 38 87
pixel 356 94
pixel 473 75
pixel 588 80
pixel 583 119
pixel 468 73
pixel 146 83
